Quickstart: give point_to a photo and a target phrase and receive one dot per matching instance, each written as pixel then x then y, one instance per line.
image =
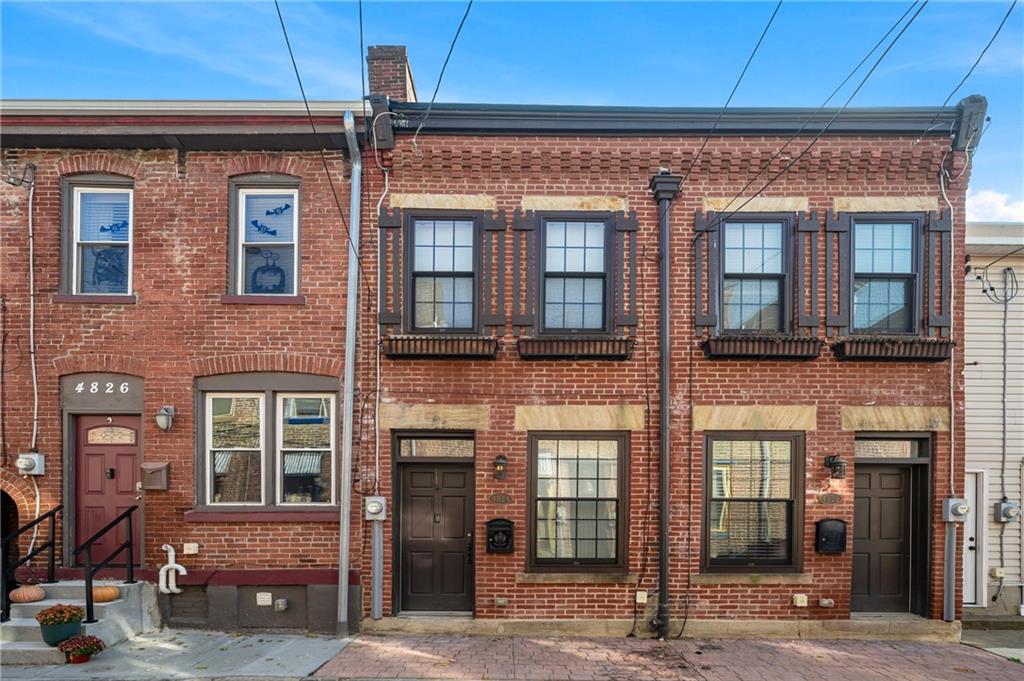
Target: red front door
pixel 107 472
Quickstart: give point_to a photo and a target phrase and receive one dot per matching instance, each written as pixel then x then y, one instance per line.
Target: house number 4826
pixel 95 387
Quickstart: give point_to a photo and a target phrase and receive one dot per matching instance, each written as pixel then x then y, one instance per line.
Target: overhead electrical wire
pixel 735 87
pixel 440 76
pixel 362 58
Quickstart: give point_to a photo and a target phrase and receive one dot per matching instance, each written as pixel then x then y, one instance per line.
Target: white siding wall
pixel 984 408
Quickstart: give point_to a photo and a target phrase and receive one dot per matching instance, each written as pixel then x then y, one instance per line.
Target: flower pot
pixel 78 659
pixel 55 633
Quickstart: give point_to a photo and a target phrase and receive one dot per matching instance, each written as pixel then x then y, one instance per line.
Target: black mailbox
pixel 499 535
pixel 830 535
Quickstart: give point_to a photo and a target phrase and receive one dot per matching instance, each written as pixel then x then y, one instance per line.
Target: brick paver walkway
pixel 571 659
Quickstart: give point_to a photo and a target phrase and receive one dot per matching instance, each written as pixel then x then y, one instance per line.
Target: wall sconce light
pixel 836 466
pixel 500 467
pixel 164 418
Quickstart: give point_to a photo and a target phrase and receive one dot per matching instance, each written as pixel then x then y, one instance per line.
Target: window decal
pixel 268 277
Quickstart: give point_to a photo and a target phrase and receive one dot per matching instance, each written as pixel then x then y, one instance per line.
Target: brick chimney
pixel 389 72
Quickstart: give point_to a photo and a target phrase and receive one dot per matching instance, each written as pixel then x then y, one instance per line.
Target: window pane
pixel 237 477
pixel 884 248
pixel 269 218
pixel 753 247
pixel 749 532
pixel 886 449
pixel 103 269
pixel 236 422
pixel 755 468
pixel 443 246
pixel 269 270
pixel 882 305
pixel 463 233
pixel 573 303
pixel 103 216
pixel 306 423
pixel 427 447
pixel 306 477
pixel 443 302
pixel 751 304
pixel 574 246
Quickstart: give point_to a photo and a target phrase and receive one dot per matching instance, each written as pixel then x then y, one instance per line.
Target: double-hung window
pixel 753 501
pixel 754 276
pixel 235 436
pixel 267 241
pixel 579 503
pixel 305 448
pixel 101 257
pixel 575 283
pixel 885 277
pixel 443 275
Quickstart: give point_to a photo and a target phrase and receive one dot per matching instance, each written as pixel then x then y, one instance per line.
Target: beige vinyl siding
pixel 983 345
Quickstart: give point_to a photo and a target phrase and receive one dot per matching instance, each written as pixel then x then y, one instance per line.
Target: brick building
pixel 512 360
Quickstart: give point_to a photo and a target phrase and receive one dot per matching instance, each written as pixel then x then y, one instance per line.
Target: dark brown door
pixel 881 539
pixel 107 471
pixel 436 537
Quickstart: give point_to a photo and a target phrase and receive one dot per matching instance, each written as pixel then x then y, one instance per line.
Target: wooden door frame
pixel 70 482
pixel 396 503
pixel 981 541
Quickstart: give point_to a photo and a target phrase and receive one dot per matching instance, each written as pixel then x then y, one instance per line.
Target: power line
pixel 803 126
pixel 731 94
pixel 323 157
pixel 362 57
pixel 824 129
pixel 444 66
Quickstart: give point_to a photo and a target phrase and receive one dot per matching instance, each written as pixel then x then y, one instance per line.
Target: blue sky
pixel 665 53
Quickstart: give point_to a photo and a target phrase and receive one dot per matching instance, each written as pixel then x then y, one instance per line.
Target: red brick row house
pixel 602 384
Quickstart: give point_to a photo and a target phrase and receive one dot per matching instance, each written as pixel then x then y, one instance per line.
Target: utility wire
pixel 440 76
pixel 735 87
pixel 362 58
pixel 824 129
pixel 807 121
pixel 323 157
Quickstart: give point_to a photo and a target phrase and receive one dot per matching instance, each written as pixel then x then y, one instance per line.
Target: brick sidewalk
pixel 472 657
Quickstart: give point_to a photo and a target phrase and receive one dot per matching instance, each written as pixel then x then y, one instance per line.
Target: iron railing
pixel 49 545
pixel 92 568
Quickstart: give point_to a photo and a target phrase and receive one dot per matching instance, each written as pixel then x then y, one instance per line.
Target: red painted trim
pixel 230 299
pixel 93 298
pixel 257 577
pixel 261 516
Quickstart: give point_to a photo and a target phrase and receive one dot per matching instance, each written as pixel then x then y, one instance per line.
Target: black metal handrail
pixel 7 571
pixel 91 570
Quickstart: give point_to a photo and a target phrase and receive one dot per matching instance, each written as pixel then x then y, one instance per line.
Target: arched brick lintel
pixel 98 162
pixel 250 362
pixel 94 362
pixel 266 163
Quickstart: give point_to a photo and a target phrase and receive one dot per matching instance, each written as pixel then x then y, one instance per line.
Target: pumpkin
pixel 104 594
pixel 30 593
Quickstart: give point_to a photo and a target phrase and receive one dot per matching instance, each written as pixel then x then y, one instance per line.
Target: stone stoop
pixel 134 612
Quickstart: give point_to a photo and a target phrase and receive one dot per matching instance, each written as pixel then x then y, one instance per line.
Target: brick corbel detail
pixel 98 162
pixel 93 362
pixel 250 362
pixel 267 163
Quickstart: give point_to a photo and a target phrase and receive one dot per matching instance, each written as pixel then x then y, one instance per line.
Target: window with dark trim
pixel 884 276
pixel 265 229
pixel 754 276
pixel 443 277
pixel 579 500
pixel 575 263
pixel 98 226
pixel 753 504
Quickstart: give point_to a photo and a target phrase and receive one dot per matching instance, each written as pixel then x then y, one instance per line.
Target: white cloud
pixel 991 206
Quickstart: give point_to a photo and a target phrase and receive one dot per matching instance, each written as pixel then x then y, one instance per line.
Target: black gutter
pixel 646 121
pixel 663 186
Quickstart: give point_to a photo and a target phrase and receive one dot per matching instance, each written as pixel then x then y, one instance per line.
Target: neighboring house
pixel 994 418
pixel 516 415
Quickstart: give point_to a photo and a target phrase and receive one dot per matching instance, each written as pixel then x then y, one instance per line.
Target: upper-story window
pixel 574 287
pixel 443 275
pixel 268 228
pixel 753 276
pixel 99 229
pixel 885 277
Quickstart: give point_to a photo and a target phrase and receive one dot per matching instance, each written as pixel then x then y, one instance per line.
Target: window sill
pixel 766 346
pixel 117 299
pixel 893 349
pixel 753 579
pixel 439 347
pixel 231 299
pixel 576 347
pixel 576 578
pixel 209 514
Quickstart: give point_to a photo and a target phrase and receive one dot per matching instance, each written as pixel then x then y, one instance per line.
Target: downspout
pixel 664 187
pixel 351 321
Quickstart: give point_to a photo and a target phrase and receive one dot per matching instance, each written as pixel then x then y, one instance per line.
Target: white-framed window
pixel 268 241
pixel 305 448
pixel 235 436
pixel 102 226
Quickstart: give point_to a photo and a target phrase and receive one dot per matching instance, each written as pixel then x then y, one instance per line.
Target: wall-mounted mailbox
pixel 156 476
pixel 499 535
pixel 830 535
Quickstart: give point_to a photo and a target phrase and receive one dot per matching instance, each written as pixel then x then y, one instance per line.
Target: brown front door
pixel 436 537
pixel 881 539
pixel 107 472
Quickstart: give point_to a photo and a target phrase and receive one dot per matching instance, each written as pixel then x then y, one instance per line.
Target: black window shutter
pixel 805 257
pixel 938 236
pixel 838 274
pixel 623 276
pixel 706 259
pixel 389 287
pixel 492 272
pixel 525 232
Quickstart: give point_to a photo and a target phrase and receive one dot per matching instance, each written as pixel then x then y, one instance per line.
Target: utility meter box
pixel 955 510
pixel 31 463
pixel 1007 511
pixel 375 508
pixel 500 533
pixel 830 535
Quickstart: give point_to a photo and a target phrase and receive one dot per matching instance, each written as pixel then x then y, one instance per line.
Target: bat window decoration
pixel 268 277
pixel 279 210
pixel 262 228
pixel 115 227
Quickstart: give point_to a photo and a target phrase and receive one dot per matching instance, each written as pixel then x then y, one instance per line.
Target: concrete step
pixel 29 652
pixel 26 629
pixel 99 609
pixel 75 588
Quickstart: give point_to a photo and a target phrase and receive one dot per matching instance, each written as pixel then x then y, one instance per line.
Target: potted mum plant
pixel 60 622
pixel 80 649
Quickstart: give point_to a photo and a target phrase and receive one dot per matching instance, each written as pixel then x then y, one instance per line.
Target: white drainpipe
pixel 351 321
pixel 169 572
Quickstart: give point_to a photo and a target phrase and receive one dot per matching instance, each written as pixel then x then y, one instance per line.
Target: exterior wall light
pixel 164 418
pixel 836 466
pixel 500 467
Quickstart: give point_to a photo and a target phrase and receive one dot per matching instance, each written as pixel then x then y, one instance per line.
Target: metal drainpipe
pixel 664 187
pixel 351 321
